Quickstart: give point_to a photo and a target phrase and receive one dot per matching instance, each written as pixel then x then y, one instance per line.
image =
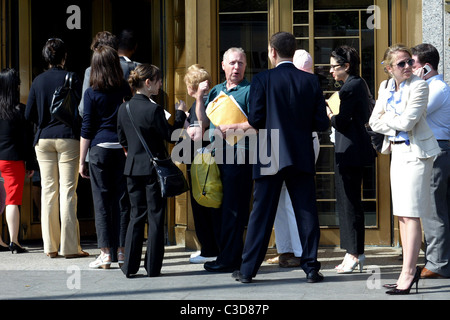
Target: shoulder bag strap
pixel 138 133
pixel 68 80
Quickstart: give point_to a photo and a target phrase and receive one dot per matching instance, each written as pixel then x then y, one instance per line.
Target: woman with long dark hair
pixel 106 157
pixel 16 152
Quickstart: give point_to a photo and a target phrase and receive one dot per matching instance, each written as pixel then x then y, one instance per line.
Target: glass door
pixel 320 26
pixel 243 23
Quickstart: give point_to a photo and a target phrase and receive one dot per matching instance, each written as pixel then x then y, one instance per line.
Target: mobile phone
pixel 426 69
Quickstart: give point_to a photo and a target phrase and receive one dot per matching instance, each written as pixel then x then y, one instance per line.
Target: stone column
pixel 436 31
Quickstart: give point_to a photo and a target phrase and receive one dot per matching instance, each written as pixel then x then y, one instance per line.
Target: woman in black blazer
pixel 353 151
pixel 144 191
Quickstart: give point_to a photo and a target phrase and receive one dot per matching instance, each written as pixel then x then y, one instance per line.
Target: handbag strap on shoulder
pixel 138 133
pixel 68 80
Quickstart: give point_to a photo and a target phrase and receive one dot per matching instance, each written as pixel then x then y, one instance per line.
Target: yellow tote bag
pixel 223 110
pixel 206 186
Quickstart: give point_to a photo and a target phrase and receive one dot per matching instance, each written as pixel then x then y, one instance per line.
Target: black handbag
pixel 65 102
pixel 170 178
pixel 375 138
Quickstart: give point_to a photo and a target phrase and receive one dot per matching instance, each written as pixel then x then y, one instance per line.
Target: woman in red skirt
pixel 3 246
pixel 16 152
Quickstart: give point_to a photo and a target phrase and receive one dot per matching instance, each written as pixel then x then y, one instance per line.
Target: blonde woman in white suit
pixel 400 114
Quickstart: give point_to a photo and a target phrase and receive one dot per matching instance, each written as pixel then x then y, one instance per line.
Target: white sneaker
pixel 195 254
pixel 200 260
pixel 120 258
pixel 102 261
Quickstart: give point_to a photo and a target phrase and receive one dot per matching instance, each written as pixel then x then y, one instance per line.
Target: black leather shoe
pixel 314 276
pixel 238 276
pixel 213 266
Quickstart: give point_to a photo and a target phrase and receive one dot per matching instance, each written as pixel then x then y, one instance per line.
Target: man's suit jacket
pixel 352 142
pixel 412 118
pixel 151 122
pixel 290 101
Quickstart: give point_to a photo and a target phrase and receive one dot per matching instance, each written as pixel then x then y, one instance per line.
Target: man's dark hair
pixel 284 43
pixel 426 53
pixel 127 40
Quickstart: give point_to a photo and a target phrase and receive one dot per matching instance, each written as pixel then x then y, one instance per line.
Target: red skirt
pixel 13 172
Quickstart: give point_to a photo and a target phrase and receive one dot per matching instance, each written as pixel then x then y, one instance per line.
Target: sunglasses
pixel 402 64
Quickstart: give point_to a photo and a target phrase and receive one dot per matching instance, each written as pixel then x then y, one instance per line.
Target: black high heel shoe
pixel 415 280
pixel 15 247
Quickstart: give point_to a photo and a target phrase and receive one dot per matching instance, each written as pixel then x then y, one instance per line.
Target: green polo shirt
pixel 240 93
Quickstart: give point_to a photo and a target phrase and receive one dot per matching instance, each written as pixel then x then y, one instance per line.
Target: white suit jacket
pixel 412 118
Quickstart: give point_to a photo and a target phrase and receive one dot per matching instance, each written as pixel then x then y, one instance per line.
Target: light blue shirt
pixel 394 100
pixel 438 110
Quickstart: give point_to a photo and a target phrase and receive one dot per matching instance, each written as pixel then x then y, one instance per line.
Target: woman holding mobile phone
pixel 400 114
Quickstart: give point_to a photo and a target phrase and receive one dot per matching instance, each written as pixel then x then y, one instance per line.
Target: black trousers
pixel 206 222
pixel 108 186
pixel 301 188
pixel 350 209
pixel 237 186
pixel 147 205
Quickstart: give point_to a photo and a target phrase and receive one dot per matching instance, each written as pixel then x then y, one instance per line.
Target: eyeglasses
pixel 402 64
pixel 334 66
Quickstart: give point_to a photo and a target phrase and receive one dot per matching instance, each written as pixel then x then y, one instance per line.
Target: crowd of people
pixel 412 113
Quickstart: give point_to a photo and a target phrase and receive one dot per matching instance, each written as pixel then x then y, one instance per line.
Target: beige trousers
pixel 59 164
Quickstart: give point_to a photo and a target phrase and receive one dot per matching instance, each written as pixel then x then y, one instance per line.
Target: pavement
pixel 34 276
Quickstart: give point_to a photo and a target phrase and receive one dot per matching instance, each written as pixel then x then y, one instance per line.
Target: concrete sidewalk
pixel 35 276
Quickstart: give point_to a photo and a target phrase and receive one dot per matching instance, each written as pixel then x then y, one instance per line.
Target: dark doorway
pixel 134 16
pixel 71 21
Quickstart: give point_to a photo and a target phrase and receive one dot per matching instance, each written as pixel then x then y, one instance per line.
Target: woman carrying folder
pixel 353 151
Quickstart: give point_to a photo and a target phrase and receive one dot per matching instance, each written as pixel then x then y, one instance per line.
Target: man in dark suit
pixel 286 106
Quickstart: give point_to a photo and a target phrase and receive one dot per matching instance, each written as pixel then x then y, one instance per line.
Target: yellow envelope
pixel 223 110
pixel 334 102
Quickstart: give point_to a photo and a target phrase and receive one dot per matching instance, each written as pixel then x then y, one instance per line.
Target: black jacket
pixel 289 102
pixel 39 101
pixel 150 120
pixel 352 142
pixel 16 140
